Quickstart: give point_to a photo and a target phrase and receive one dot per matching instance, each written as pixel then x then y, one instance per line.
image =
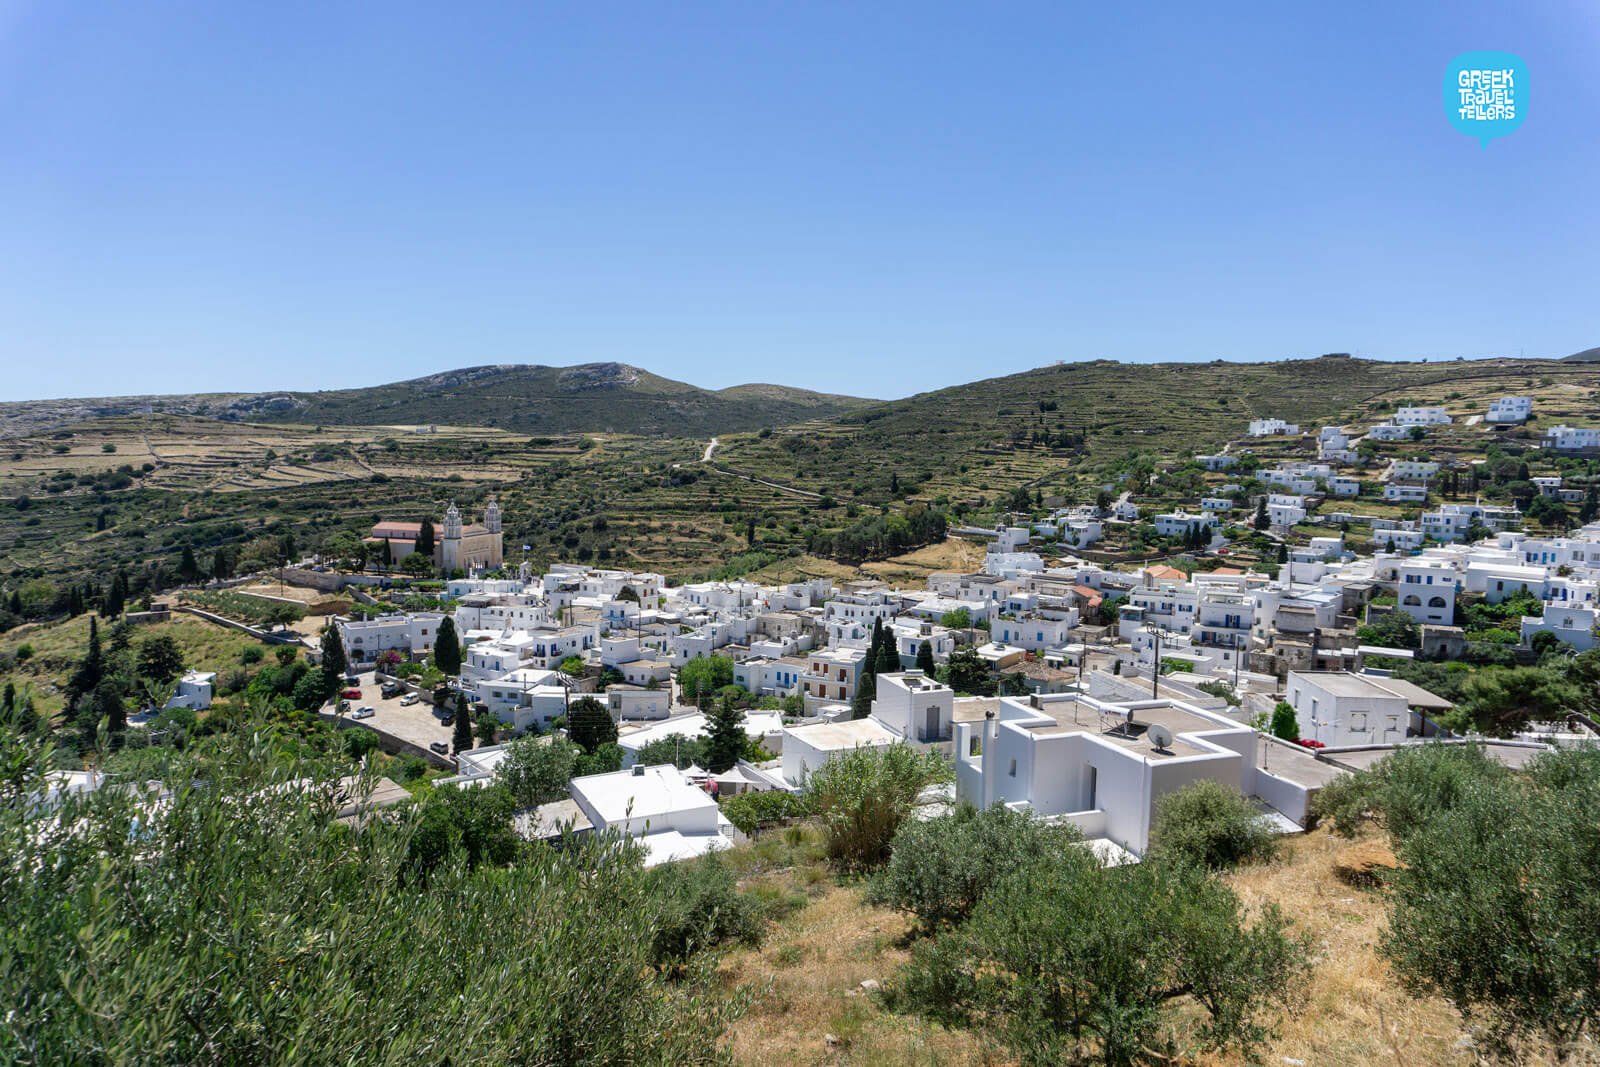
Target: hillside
pixel 130 490
pixel 592 397
pixel 991 432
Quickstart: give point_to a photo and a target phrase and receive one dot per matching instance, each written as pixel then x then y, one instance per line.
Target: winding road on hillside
pixel 710 448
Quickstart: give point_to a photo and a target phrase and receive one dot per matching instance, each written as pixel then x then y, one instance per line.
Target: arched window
pixel 1412 601
pixel 1436 602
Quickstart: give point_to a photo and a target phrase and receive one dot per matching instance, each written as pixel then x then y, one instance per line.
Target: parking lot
pixel 416 723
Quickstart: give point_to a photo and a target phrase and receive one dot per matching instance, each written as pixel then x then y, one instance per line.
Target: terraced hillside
pixel 1062 424
pixel 131 491
pixel 591 398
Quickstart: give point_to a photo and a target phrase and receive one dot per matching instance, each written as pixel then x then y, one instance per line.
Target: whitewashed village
pixel 1076 692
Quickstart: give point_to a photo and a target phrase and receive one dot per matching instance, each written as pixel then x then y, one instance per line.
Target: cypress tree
pixel 462 737
pixel 725 737
pixel 925 658
pixel 424 543
pixel 589 724
pixel 447 647
pixel 334 663
pixel 91 669
pixel 188 567
pixel 888 658
pixel 866 693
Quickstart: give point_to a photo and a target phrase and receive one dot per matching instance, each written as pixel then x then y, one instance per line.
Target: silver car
pixel 363 712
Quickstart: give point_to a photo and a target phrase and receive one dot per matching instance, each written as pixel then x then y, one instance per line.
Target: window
pixel 1013 771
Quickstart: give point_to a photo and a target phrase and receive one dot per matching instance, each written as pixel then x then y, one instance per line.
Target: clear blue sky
pixel 218 196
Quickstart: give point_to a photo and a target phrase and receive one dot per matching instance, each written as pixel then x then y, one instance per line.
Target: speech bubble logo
pixel 1486 94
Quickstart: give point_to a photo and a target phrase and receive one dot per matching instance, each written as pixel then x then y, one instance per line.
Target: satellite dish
pixel 1160 737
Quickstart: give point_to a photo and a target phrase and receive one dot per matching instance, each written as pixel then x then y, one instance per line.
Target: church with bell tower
pixel 471 547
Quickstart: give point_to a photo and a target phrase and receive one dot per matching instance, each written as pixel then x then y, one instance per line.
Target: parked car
pixel 409 699
pixel 351 694
pixel 440 747
pixel 389 689
pixel 352 679
pixel 449 720
pixel 364 712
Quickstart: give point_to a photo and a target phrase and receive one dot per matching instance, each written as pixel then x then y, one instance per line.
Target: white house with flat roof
pixel 1273 428
pixel 1421 416
pixel 1284 509
pixel 1180 523
pixel 1342 709
pixel 1388 431
pixel 1566 438
pixel 1510 409
pixel 1426 589
pixel 1103 767
pixel 1574 625
pixel 366 639
pixel 665 813
pixel 1400 493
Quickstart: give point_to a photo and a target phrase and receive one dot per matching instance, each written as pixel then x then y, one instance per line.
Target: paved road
pixel 416 723
pixel 712 447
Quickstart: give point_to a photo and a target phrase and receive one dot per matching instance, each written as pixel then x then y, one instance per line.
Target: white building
pixel 1421 416
pixel 806 748
pixel 669 816
pixel 1343 485
pixel 1033 632
pixel 1451 521
pixel 1413 469
pixel 1571 438
pixel 1096 765
pixel 1510 409
pixel 1219 462
pixel 1426 589
pixel 1401 493
pixel 633 702
pixel 1273 428
pixel 1388 431
pixel 1573 625
pixel 409 635
pixel 1180 523
pixel 763 727
pixel 1284 509
pixel 1341 709
pixel 193 691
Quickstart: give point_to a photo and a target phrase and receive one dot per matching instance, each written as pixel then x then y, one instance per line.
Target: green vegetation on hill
pixel 594 397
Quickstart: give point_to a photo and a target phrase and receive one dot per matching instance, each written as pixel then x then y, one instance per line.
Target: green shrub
pixel 701 908
pixel 751 812
pixel 939 868
pixel 862 796
pixel 1072 962
pixel 1211 825
pixel 1493 906
pixel 242 923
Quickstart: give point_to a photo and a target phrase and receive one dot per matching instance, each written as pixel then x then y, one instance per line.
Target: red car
pixel 351 694
pixel 1309 743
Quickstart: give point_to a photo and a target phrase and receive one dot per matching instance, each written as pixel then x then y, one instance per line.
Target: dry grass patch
pixel 1353 1010
pixel 808 979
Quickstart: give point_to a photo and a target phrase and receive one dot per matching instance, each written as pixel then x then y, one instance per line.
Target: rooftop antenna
pixel 1160 737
